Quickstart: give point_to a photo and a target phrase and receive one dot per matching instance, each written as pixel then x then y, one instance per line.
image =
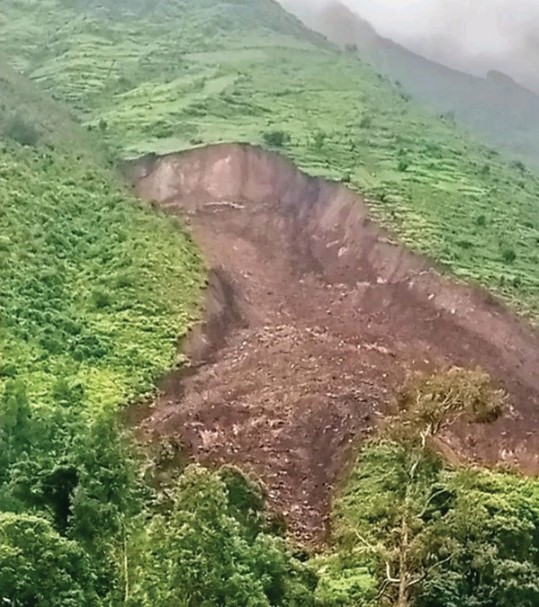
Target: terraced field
pixel 156 81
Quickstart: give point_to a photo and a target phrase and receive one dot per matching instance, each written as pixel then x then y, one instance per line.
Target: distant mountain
pixel 496 108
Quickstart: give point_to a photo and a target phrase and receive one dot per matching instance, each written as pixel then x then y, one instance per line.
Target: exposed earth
pixel 313 318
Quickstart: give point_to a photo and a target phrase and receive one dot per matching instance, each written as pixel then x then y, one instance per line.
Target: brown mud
pixel 313 318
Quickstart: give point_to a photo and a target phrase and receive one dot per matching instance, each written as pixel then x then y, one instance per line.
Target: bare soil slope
pixel 313 318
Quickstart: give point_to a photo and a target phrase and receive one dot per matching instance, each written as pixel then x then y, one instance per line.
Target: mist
pixel 470 35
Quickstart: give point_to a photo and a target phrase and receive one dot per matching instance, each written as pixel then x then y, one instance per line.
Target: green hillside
pixel 168 76
pixel 96 289
pixel 78 253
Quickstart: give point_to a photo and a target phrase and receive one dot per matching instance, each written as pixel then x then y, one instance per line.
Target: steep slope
pixel 314 318
pixel 54 227
pixel 179 75
pixel 95 291
pixel 496 108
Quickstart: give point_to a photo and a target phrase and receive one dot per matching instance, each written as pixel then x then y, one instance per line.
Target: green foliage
pixel 473 536
pixel 403 165
pixel 432 536
pixel 20 130
pixel 96 289
pixel 509 255
pixel 276 139
pixel 492 532
pixel 319 138
pixel 343 582
pixel 211 547
pixel 39 567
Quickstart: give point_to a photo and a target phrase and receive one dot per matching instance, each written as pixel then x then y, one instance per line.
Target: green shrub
pixel 319 139
pixel 509 255
pixel 276 139
pixel 481 221
pixel 403 165
pixel 21 130
pixel 366 122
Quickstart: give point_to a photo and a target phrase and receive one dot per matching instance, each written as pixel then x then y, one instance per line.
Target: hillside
pixel 95 290
pixel 316 440
pixel 155 84
pixel 55 193
pixel 496 108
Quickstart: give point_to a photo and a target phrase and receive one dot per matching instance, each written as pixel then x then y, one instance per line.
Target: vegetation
pixel 21 131
pixel 163 77
pixel 96 289
pixel 213 545
pixel 431 535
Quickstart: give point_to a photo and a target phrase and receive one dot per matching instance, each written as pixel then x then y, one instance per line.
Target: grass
pixel 203 72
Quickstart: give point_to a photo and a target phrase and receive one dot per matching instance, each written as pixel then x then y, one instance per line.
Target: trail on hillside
pixel 313 319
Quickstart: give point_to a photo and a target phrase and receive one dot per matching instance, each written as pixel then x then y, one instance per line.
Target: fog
pixel 472 35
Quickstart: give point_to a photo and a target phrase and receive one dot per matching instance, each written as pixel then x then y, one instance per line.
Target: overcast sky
pixel 469 34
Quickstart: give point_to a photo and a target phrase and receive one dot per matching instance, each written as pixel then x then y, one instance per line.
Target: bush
pixel 481 221
pixel 318 139
pixel 403 165
pixel 20 130
pixel 509 255
pixel 366 122
pixel 276 139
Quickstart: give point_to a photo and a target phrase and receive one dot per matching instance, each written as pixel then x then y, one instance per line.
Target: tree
pixel 39 567
pixel 319 138
pixel 493 523
pixel 20 130
pixel 210 547
pixel 276 139
pixel 15 426
pixel 397 492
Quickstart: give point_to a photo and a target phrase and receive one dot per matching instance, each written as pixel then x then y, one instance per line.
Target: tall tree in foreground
pixel 426 531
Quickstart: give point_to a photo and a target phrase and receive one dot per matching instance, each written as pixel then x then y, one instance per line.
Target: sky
pixel 474 35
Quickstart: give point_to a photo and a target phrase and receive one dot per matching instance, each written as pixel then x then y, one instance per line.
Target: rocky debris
pixel 314 317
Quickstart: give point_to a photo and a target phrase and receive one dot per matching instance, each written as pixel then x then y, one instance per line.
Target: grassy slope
pixel 95 288
pixel 191 72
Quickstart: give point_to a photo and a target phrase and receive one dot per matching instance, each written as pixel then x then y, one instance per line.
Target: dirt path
pixel 313 319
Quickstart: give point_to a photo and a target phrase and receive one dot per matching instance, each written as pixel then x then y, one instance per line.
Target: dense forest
pixel 97 289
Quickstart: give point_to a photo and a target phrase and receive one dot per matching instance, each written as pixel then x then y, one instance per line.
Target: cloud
pixel 475 35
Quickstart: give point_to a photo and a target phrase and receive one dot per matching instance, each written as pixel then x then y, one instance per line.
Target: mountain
pixel 178 74
pixel 97 288
pixel 495 108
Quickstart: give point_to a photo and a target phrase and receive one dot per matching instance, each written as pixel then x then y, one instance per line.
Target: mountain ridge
pixel 475 102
